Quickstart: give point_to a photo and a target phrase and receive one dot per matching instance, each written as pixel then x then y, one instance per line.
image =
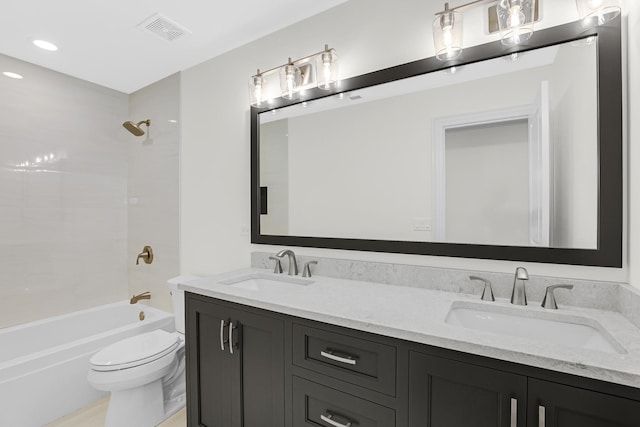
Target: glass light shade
pixel 597 12
pixel 515 19
pixel 447 35
pixel 290 79
pixel 257 90
pixel 327 69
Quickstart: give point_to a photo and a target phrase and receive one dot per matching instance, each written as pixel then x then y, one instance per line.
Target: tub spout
pixel 136 298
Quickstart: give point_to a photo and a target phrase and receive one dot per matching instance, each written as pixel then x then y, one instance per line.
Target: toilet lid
pixel 135 351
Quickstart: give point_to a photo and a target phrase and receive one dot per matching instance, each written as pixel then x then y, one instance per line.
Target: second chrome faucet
pixel 293 263
pixel 519 292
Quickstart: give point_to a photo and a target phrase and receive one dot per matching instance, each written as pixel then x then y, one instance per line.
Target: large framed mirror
pixel 505 153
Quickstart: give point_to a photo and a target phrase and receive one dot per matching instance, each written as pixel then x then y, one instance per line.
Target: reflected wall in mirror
pixel 509 156
pixel 460 157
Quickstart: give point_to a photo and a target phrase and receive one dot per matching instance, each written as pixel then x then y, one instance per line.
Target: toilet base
pixel 139 407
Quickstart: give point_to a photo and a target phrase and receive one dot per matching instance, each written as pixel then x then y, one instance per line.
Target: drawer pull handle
pixel 328 419
pixel 542 416
pixel 349 360
pixel 514 412
pixel 222 338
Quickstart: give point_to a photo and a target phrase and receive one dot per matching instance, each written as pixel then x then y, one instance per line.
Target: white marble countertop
pixel 419 315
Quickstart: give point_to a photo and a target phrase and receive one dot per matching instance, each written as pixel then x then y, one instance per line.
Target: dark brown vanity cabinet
pixel 558 405
pixel 248 367
pixel 446 393
pixel 235 366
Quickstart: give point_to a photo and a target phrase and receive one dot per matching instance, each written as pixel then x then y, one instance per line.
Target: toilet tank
pixel 177 299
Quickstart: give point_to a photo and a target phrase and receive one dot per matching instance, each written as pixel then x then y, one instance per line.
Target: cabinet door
pixel 446 393
pixel 557 405
pixel 212 375
pixel 261 349
pixel 235 367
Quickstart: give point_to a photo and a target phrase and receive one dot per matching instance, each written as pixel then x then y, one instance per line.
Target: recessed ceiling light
pixel 12 75
pixel 42 44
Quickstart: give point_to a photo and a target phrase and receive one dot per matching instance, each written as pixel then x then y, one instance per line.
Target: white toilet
pixel 144 373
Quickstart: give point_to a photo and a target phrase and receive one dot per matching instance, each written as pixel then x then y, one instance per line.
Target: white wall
pixel 63 223
pixel 368 35
pixel 153 189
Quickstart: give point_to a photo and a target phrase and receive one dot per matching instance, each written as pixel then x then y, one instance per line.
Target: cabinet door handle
pixel 542 416
pixel 328 419
pixel 231 328
pixel 514 412
pixel 349 360
pixel 222 337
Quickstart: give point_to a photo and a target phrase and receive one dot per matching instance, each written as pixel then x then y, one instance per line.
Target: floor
pixel 93 416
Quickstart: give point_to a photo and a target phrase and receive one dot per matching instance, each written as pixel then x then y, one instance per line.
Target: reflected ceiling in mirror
pixel 500 157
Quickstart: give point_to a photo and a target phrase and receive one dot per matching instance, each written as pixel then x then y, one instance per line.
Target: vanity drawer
pixel 317 405
pixel 358 361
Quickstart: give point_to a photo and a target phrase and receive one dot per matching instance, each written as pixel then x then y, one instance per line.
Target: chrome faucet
pixel 293 264
pixel 519 293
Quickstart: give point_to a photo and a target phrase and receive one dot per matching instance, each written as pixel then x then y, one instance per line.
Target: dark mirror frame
pixel 610 200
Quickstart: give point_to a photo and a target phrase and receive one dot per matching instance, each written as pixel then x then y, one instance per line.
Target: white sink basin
pixel 266 282
pixel 566 330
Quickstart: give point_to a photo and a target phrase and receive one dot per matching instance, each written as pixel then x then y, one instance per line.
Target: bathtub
pixel 44 364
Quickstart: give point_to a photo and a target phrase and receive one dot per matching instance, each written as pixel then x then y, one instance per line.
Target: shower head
pixel 134 128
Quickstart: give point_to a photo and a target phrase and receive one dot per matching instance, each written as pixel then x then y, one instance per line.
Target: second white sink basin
pixel 266 282
pixel 572 331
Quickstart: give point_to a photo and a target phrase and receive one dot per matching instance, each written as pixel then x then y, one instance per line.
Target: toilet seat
pixel 135 351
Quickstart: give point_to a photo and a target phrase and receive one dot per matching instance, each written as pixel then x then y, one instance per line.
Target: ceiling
pixel 99 41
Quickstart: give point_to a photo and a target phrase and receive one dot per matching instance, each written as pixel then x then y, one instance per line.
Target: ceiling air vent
pixel 163 27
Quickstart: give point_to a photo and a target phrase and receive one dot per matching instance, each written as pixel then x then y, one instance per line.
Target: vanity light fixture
pixel 290 80
pixel 600 11
pixel 447 34
pixel 257 89
pixel 515 20
pixel 318 70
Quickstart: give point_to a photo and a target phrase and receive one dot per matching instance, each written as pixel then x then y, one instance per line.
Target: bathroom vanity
pixel 274 350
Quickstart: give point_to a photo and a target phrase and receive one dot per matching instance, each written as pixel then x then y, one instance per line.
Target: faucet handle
pixel 278 267
pixel 306 271
pixel 549 300
pixel 146 255
pixel 487 293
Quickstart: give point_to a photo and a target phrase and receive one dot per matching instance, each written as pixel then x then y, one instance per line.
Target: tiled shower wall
pixel 153 179
pixel 63 192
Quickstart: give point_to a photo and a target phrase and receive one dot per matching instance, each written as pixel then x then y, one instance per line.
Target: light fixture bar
pixel 317 70
pixel 514 18
pixel 297 62
pixel 467 6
